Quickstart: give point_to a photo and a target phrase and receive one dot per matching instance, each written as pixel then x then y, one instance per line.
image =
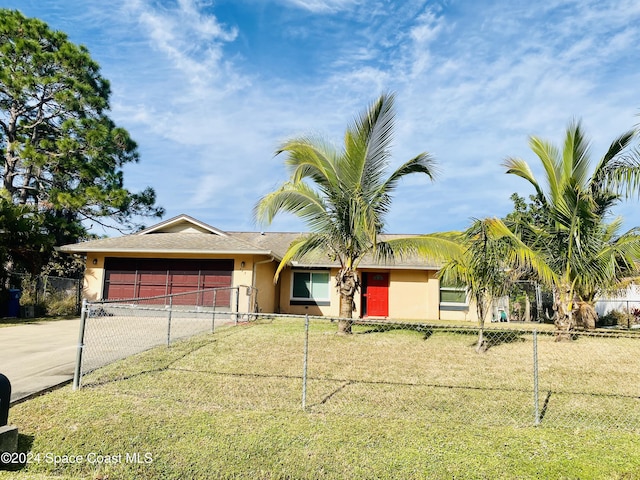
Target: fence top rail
pixel 157 297
pixel 455 328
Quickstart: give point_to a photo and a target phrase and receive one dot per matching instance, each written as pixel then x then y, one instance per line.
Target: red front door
pixel 375 294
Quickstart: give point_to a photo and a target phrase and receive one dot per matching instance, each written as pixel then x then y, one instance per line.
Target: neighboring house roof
pixel 184 234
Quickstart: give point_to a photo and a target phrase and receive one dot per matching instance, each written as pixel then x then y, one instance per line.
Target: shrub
pixel 61 305
pixel 614 317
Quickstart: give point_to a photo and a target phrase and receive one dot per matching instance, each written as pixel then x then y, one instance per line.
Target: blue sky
pixel 209 89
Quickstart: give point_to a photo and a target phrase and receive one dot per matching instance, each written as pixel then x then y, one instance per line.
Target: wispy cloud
pixel 323 6
pixel 191 40
pixel 209 89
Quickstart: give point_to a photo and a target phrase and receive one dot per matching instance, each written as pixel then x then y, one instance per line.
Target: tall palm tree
pixel 344 196
pixel 586 252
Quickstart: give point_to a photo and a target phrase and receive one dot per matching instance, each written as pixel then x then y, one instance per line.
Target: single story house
pixel 183 254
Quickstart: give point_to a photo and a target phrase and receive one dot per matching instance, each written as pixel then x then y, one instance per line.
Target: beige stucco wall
pixel 413 294
pixel 93 277
pixel 268 292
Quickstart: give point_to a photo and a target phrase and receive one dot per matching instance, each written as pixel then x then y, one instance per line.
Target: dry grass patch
pixel 381 404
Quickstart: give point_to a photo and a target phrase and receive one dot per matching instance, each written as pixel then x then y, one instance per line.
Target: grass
pixel 383 403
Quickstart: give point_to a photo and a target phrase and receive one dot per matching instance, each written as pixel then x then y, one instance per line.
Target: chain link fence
pixel 392 370
pixel 525 377
pixel 116 329
pixel 406 370
pixel 45 295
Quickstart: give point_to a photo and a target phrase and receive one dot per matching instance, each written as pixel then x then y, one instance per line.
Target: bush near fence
pixel 406 370
pixel 47 295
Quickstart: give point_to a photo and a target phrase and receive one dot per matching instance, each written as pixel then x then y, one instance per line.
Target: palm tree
pixel 344 196
pixel 489 260
pixel 585 251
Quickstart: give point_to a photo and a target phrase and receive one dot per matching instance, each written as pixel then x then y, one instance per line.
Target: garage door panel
pixel 151 290
pixel 184 278
pixel 116 292
pixel 214 279
pixel 186 298
pixel 222 297
pixel 152 278
pixel 129 278
pixel 121 277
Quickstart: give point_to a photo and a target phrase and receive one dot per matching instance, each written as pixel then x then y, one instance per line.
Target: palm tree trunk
pixel 482 304
pixel 347 280
pixel 563 305
pixel 346 314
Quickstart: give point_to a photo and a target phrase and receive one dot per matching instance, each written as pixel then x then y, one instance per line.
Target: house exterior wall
pixel 268 292
pixel 414 295
pixel 93 277
pixel 242 275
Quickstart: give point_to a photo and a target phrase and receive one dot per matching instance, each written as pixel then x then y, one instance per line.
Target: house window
pixel 453 297
pixel 310 288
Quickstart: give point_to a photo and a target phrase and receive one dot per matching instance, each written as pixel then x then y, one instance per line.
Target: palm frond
pixel 436 247
pixel 549 156
pixel 300 247
pixel 299 199
pixel 575 157
pixel 600 174
pixel 310 157
pixel 519 167
pixel 422 163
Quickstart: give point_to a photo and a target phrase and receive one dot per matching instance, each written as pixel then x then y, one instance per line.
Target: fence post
pixel 169 321
pixel 536 398
pixel 305 363
pixel 237 304
pixel 213 316
pixel 83 321
pixel 79 295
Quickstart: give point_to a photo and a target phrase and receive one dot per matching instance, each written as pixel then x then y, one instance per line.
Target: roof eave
pixel 74 249
pixel 367 266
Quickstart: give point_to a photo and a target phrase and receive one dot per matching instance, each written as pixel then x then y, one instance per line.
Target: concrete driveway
pixel 38 356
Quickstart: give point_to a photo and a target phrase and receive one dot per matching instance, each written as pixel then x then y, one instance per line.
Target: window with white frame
pixel 453 296
pixel 310 287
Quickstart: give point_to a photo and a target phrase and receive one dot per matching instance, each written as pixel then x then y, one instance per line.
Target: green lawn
pixel 380 404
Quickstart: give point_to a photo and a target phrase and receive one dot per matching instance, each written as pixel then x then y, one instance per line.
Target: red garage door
pixel 151 277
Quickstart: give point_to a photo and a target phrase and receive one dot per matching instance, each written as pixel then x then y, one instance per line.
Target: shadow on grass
pixel 383 328
pixel 492 338
pixel 21 456
pixel 545 406
pixel 329 396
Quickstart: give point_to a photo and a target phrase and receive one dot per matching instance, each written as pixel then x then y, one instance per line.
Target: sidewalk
pixel 38 356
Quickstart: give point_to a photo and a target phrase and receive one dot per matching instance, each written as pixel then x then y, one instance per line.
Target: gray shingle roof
pixel 167 243
pixel 154 240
